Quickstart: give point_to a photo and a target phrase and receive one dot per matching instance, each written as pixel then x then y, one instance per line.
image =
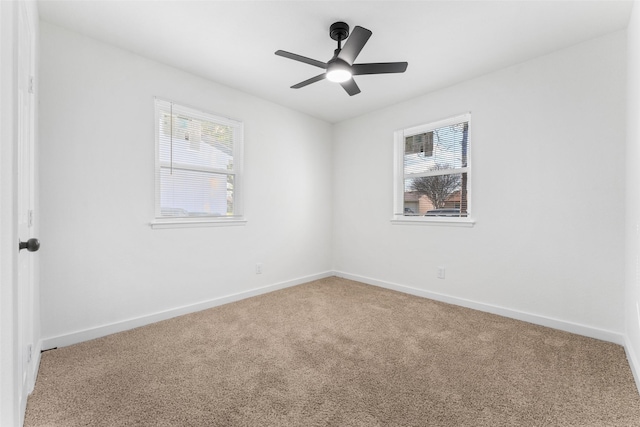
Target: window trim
pixel 196 222
pixel 238 160
pixel 398 216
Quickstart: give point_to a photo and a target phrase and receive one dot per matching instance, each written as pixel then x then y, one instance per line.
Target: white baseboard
pixel 101 331
pixel 634 362
pixel 575 328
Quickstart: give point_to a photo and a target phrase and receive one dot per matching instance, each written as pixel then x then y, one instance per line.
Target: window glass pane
pixel 193 193
pixel 440 149
pixel 195 142
pixel 439 195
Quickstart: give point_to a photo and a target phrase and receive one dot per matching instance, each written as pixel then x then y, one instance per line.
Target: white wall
pixel 548 193
pixel 101 262
pixel 632 295
pixel 547 145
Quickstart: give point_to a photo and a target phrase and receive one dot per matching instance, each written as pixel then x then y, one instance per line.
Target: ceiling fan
pixel 340 68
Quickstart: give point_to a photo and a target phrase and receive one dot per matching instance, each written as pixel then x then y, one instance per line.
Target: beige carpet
pixel 336 353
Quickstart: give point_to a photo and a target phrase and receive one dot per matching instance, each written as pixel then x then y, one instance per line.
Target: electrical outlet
pixel 259 268
pixel 441 272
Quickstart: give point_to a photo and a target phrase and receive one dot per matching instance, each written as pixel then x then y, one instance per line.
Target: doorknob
pixel 31 245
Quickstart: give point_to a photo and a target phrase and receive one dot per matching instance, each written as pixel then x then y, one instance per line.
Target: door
pixel 18 21
pixel 25 202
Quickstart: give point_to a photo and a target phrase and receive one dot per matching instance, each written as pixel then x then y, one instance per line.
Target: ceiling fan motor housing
pixel 339 31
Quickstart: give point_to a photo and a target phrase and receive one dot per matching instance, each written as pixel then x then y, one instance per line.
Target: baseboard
pixel 634 362
pixel 101 331
pixel 575 328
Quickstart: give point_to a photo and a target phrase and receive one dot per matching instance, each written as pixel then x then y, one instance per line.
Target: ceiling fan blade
pixel 309 81
pixel 378 68
pixel 355 42
pixel 351 87
pixel 301 58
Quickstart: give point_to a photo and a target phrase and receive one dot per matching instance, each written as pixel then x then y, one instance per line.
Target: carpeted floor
pixel 336 353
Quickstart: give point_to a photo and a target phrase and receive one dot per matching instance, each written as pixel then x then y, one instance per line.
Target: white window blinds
pixel 198 163
pixel 434 169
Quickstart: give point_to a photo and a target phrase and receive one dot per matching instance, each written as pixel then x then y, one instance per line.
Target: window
pixel 432 172
pixel 198 167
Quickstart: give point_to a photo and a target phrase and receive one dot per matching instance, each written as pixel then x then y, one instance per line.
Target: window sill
pixel 437 221
pixel 198 222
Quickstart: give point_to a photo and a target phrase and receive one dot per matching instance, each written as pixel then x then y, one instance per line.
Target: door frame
pixel 9 411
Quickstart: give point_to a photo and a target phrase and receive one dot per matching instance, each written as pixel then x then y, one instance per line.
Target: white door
pixel 25 200
pixel 18 21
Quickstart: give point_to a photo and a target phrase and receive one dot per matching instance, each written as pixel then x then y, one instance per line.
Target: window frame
pixel 399 176
pixel 238 150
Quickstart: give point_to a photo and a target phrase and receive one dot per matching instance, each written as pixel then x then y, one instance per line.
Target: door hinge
pixel 30 218
pixel 31 89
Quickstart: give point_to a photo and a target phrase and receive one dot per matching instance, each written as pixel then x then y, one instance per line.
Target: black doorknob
pixel 31 245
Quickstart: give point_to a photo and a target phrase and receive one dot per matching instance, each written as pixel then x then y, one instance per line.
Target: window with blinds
pixel 433 170
pixel 198 164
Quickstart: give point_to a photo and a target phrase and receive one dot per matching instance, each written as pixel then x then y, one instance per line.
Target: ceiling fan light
pixel 338 75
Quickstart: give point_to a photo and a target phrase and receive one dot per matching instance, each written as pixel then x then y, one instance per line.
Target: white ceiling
pixel 444 42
